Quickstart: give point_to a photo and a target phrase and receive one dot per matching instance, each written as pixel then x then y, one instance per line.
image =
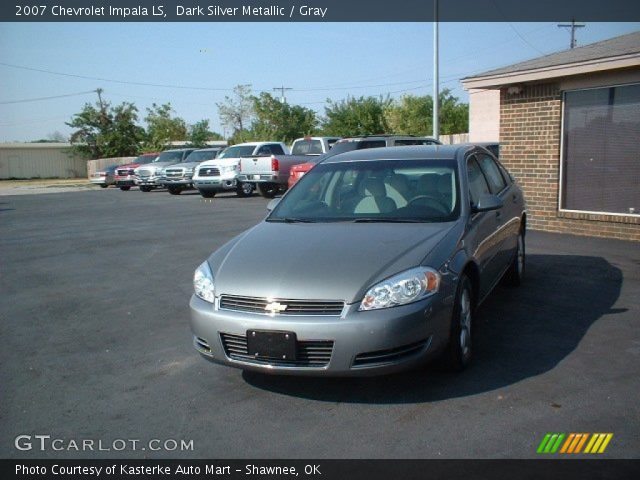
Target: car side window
pixel 277 149
pixel 492 172
pixel 478 185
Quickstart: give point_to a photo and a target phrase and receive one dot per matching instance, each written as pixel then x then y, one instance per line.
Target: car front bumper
pixel 150 181
pixel 215 183
pixel 363 343
pixel 178 182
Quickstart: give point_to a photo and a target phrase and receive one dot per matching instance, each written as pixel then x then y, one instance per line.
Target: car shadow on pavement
pixel 520 333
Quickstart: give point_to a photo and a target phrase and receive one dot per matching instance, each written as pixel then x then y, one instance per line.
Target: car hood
pixel 186 165
pixel 156 165
pixel 328 261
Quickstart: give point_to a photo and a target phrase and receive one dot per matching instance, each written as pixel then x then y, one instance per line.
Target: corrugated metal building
pixel 40 160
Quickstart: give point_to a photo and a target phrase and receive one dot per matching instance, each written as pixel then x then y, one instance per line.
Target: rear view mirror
pixel 486 203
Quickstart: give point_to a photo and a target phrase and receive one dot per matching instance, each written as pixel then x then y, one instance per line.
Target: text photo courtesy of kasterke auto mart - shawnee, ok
pixel 350 240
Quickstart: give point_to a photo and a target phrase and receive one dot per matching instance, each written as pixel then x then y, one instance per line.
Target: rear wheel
pixel 124 189
pixel 103 185
pixel 244 189
pixel 145 189
pixel 460 349
pixel 515 274
pixel 174 190
pixel 268 190
pixel 207 193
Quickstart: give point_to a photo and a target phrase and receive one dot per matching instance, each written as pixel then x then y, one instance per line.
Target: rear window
pixel 307 147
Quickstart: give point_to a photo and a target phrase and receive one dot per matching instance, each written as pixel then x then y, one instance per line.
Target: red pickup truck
pixel 124 177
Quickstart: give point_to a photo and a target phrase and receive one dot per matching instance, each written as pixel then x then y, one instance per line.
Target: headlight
pixel 160 172
pixel 228 168
pixel 203 282
pixel 403 288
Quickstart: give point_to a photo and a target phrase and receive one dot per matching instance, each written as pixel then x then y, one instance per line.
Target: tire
pixel 207 193
pixel 125 189
pixel 459 352
pixel 268 190
pixel 244 189
pixel 145 189
pixel 103 185
pixel 174 190
pixel 515 273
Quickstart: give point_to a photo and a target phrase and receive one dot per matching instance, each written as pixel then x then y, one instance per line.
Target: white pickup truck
pixel 221 173
pixel 271 173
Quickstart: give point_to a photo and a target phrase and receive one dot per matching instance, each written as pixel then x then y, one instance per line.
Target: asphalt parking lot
pixel 96 345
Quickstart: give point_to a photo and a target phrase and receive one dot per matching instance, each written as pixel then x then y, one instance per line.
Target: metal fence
pixel 40 160
pixel 454 138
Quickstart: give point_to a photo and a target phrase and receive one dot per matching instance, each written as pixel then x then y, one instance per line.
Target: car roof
pixel 208 149
pixel 252 144
pixel 412 152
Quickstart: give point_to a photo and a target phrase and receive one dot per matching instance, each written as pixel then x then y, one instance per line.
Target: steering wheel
pixel 428 201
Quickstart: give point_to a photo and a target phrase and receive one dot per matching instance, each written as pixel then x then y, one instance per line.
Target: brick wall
pixel 530 126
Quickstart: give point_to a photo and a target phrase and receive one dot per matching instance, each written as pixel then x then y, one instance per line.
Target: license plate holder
pixel 271 345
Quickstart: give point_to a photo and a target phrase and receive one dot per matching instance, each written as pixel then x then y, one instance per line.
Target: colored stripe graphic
pixel 573 443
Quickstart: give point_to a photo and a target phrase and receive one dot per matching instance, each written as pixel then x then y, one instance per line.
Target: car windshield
pixel 201 156
pixel 374 191
pixel 142 159
pixel 237 151
pixel 307 147
pixel 169 156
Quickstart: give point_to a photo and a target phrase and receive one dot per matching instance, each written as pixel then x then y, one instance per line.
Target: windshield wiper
pixel 387 220
pixel 291 220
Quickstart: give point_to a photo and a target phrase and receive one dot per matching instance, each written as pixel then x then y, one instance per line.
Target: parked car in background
pixel 365 284
pixel 179 177
pixel 359 143
pixel 125 174
pixel 151 175
pixel 221 173
pixel 105 176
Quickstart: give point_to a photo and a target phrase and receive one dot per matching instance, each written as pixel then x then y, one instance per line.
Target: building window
pixel 601 150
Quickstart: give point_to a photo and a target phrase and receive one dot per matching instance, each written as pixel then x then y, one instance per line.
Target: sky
pixel 195 65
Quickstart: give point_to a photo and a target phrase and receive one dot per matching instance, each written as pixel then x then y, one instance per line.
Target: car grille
pixel 313 353
pixel 125 172
pixel 209 172
pixel 174 173
pixel 145 173
pixel 391 355
pixel 202 345
pixel 293 307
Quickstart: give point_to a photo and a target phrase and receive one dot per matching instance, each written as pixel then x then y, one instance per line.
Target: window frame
pixel 562 149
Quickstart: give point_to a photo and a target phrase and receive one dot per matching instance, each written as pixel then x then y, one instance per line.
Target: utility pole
pixel 281 90
pixel 436 79
pixel 103 113
pixel 573 25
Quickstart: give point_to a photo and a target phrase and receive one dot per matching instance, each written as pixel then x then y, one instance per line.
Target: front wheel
pixel 244 189
pixel 515 274
pixel 174 190
pixel 102 185
pixel 268 190
pixel 145 189
pixel 125 189
pixel 460 349
pixel 207 193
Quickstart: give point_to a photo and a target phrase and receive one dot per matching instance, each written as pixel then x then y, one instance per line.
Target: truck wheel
pixel 244 189
pixel 268 190
pixel 207 193
pixel 103 185
pixel 145 189
pixel 124 189
pixel 174 190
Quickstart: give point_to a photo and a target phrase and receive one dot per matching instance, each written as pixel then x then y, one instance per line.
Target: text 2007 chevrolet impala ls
pixel 375 261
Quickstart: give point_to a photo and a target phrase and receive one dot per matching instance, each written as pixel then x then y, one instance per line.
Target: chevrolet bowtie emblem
pixel 275 307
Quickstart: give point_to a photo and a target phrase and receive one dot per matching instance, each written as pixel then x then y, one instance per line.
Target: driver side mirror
pixel 272 204
pixel 487 203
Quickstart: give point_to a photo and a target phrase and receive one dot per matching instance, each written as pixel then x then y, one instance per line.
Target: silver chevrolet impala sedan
pixel 374 262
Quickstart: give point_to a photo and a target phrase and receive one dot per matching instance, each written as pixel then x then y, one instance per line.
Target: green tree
pixel 276 120
pixel 356 116
pixel 103 131
pixel 413 115
pixel 163 127
pixel 199 134
pixel 236 112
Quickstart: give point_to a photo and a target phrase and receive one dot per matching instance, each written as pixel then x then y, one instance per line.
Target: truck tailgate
pixel 255 165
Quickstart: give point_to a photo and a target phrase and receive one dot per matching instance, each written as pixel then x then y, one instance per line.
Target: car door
pixel 483 228
pixel 508 216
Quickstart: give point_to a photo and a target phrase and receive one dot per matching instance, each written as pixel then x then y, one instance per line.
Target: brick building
pixel 569 130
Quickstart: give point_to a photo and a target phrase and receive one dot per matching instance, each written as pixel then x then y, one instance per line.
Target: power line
pixel 25 100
